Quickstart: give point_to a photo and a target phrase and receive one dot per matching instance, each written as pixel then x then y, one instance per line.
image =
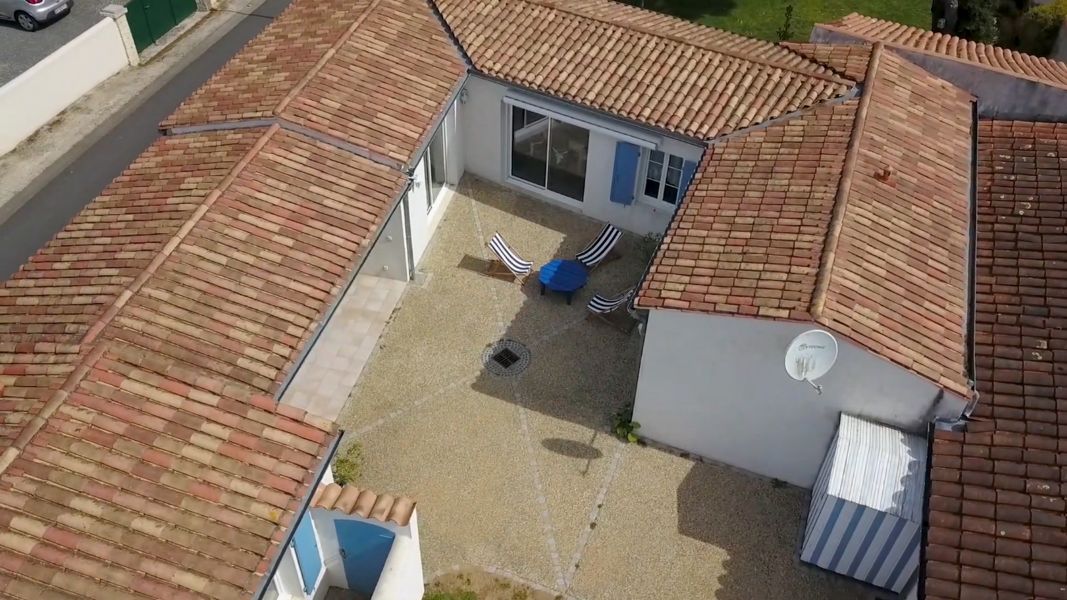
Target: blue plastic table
pixel 563 276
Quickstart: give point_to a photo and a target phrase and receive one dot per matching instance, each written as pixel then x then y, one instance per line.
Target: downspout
pixel 924 530
pixel 268 577
pixel 972 259
pixel 956 424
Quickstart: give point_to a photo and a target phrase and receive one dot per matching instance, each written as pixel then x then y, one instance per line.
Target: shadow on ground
pixel 729 510
pixel 581 370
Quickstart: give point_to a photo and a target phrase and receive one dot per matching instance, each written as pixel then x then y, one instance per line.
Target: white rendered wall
pixel 49 87
pixel 424 222
pixel 486 146
pixel 388 256
pixel 716 386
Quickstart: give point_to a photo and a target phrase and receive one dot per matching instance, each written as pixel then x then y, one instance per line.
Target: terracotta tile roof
pixel 1036 68
pixel 896 278
pixel 657 23
pixel 153 460
pixel 849 60
pixel 749 236
pixel 63 288
pixel 352 500
pixel 257 79
pixel 652 78
pixel 998 501
pixel 375 74
pixel 792 221
pixel 29 374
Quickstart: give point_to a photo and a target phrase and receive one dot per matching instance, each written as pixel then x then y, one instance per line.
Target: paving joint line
pixel 401 410
pixel 524 424
pixel 502 572
pixel 594 515
pixel 542 499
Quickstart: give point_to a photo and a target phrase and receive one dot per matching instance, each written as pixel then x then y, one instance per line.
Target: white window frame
pixel 646 161
pixel 508 134
pixel 431 200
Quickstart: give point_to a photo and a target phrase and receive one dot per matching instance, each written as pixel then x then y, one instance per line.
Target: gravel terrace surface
pixel 520 475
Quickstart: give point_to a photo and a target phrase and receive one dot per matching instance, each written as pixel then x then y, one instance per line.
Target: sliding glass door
pixel 549 154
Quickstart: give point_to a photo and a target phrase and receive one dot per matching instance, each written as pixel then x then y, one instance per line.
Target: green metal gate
pixel 150 19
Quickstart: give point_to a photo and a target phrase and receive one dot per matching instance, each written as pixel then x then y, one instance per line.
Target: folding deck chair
pixel 601 249
pixel 507 262
pixel 609 310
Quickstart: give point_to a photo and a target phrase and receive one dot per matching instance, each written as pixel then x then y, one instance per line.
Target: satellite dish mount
pixel 810 356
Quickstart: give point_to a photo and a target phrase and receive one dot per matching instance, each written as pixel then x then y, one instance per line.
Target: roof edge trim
pixel 833 234
pixel 305 504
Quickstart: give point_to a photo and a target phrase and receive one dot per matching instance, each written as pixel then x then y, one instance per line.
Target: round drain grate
pixel 506 358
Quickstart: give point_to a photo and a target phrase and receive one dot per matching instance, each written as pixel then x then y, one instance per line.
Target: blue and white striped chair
pixel 601 249
pixel 607 309
pixel 507 262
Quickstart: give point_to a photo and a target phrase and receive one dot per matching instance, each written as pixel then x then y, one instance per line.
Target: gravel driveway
pixel 520 475
pixel 20 50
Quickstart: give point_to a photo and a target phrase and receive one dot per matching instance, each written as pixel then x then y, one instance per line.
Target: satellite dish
pixel 810 356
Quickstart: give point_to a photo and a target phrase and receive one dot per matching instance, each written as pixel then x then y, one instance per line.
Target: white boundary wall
pixel 47 88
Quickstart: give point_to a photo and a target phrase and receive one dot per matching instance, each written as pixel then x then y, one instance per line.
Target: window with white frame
pixel 662 177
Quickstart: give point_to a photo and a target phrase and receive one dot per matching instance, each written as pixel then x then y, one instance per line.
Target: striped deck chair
pixel 610 309
pixel 601 249
pixel 507 263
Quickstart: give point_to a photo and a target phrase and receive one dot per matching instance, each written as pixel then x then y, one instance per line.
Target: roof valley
pixel 92 352
pixel 288 125
pixel 833 233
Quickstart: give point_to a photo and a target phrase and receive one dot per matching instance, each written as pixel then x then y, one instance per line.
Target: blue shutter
pixel 624 176
pixel 307 553
pixel 688 168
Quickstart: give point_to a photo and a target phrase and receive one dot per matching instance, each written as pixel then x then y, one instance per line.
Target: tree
pixel 978 20
pixel 785 33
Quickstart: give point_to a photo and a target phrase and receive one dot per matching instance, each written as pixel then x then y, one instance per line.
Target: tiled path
pixel 520 474
pixel 323 383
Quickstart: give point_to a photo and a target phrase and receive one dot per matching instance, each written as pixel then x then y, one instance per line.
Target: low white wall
pixel 486 145
pixel 716 386
pixel 47 88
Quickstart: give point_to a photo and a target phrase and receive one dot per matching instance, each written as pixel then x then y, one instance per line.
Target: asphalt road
pixel 59 200
pixel 20 50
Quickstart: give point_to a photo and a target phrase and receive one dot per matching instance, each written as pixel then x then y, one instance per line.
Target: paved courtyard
pixel 521 474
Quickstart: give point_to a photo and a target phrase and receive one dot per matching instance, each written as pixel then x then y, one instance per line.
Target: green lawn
pixel 763 18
